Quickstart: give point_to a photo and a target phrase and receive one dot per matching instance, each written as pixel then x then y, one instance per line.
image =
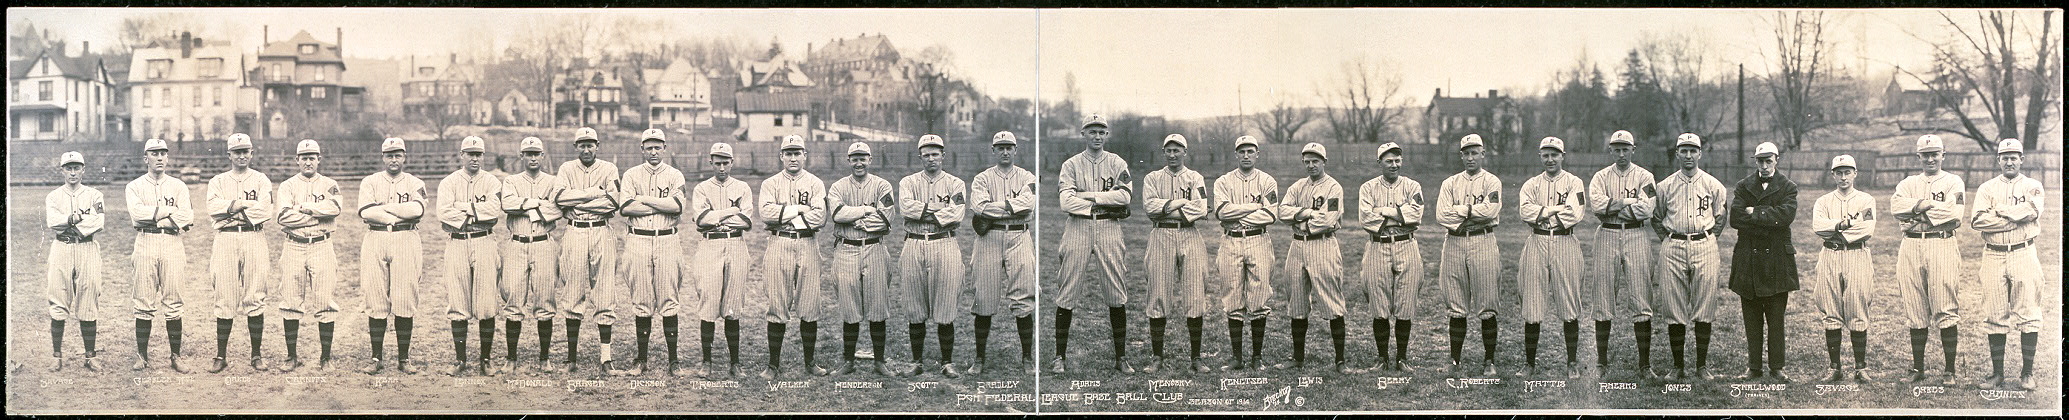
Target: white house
pixel 190 90
pixel 679 97
pixel 58 98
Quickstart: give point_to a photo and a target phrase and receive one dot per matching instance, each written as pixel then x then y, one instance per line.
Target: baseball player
pixel 1390 209
pixel 308 208
pixel 1002 201
pixel 1095 188
pixel 1763 261
pixel 469 205
pixel 239 205
pixel 653 253
pixel 861 206
pixel 1177 261
pixel 1244 201
pixel 1928 207
pixel 1314 261
pixel 590 285
pixel 1469 206
pixel 1844 219
pixel 531 260
pixel 1690 214
pixel 160 209
pixel 1549 273
pixel 793 204
pixel 74 213
pixel 932 203
pixel 1621 197
pixel 724 209
pixel 391 256
pixel 2007 213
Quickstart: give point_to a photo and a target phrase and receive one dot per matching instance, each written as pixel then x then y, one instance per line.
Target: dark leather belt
pixel 1174 225
pixel 469 235
pixel 1474 232
pixel 1245 233
pixel 2008 248
pixel 529 239
pixel 1393 239
pixel 1849 246
pixel 239 228
pixel 930 236
pixel 1632 225
pixel 1324 235
pixel 302 240
pixel 582 224
pixel 662 232
pixel 796 234
pixel 1695 237
pixel 1100 216
pixel 1018 227
pixel 1929 235
pixel 74 239
pixel 860 242
pixel 159 230
pixel 1559 232
pixel 399 227
pixel 719 235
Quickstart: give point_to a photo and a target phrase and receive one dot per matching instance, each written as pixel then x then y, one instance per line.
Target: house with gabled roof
pixel 186 88
pixel 1494 117
pixel 678 96
pixel 57 97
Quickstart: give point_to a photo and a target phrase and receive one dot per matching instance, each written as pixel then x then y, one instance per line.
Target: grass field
pixel 1093 386
pixel 32 389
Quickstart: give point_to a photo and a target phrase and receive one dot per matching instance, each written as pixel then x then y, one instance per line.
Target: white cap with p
pixel 931 140
pixel 473 144
pixel 308 147
pixel 1315 148
pixel 70 158
pixel 531 144
pixel 239 141
pixel 392 144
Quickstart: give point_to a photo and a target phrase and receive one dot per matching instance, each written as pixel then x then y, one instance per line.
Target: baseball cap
pixel 155 144
pixel 1470 140
pixel 1388 146
pixel 1765 149
pixel 931 140
pixel 1621 136
pixel 585 133
pixel 392 144
pixel 473 144
pixel 858 148
pixel 2010 146
pixel 1315 148
pixel 721 149
pixel 1553 143
pixel 239 141
pixel 1004 137
pixel 1843 160
pixel 1930 143
pixel 71 158
pixel 1175 138
pixel 654 134
pixel 1688 139
pixel 308 146
pixel 1094 119
pixel 531 144
pixel 1246 141
pixel 793 142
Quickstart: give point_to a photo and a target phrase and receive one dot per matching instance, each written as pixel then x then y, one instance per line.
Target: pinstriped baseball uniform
pixel 160 256
pixel 1392 264
pixel 1623 247
pixel 1549 272
pixel 932 268
pixel 1094 188
pixel 470 204
pixel 531 260
pixel 309 207
pixel 793 204
pixel 1470 262
pixel 1314 267
pixel 1928 276
pixel 653 262
pixel 862 277
pixel 73 280
pixel 1846 270
pixel 1690 203
pixel 722 208
pixel 390 262
pixel 2011 279
pixel 589 278
pixel 1242 202
pixel 238 263
pixel 1177 260
pixel 1003 261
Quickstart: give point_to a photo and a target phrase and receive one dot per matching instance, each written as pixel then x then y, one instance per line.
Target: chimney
pixel 808 51
pixel 186 44
pixel 1439 94
pixel 340 46
pixel 85 47
pixel 453 59
pixel 1491 93
pixel 265 35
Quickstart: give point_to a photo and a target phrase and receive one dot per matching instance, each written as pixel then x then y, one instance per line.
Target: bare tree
pixel 1800 59
pixel 1678 63
pixel 544 55
pixel 1363 103
pixel 140 31
pixel 1219 129
pixel 1985 61
pixel 1282 122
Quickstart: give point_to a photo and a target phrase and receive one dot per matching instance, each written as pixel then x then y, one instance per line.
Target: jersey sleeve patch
pixel 1335 204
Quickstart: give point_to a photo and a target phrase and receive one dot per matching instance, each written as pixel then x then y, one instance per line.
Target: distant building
pixel 507 99
pixel 304 92
pixel 56 97
pixel 679 97
pixel 589 96
pixel 768 116
pixel 383 81
pixel 1906 94
pixel 1493 117
pixel 776 73
pixel 868 81
pixel 190 89
pixel 439 89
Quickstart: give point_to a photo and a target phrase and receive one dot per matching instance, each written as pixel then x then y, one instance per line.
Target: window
pixel 273 73
pixel 45 122
pixel 165 97
pixel 75 121
pixel 319 92
pixel 96 94
pixel 143 126
pixel 14 95
pixel 223 123
pixel 197 96
pixel 211 68
pixel 146 103
pixel 426 89
pixel 43 90
pixel 308 49
pixel 319 75
pixel 657 113
pixel 779 120
pixel 207 126
pixel 426 71
pixel 156 69
pixel 218 93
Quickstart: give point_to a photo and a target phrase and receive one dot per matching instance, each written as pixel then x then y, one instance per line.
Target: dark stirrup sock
pixel 1530 334
pixel 1602 342
pixel 1950 339
pixel 916 336
pixel 1381 333
pixel 1572 331
pixel 1025 324
pixel 1490 331
pixel 1401 339
pixel 944 334
pixel 983 335
pixel 377 331
pixel 1192 333
pixel 1117 324
pixel 1702 344
pixel 1457 332
pixel 2027 343
pixel 1062 333
pixel 1677 336
pixel 849 331
pixel 1235 339
pixel 1156 337
pixel 405 327
pixel 1336 333
pixel 1832 348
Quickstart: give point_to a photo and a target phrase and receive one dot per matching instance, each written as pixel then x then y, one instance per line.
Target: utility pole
pixel 1742 110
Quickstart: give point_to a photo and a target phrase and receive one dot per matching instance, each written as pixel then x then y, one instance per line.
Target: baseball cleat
pixel 881 370
pixel 1056 366
pixel 1777 376
pixel 1835 375
pixel 372 368
pixel 258 364
pixel 975 368
pixel 817 370
pixel 1488 372
pixel 218 365
pixel 948 370
pixel 404 367
pixel 139 365
pixel 290 365
pixel 92 364
pixel 1993 381
pixel 457 369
